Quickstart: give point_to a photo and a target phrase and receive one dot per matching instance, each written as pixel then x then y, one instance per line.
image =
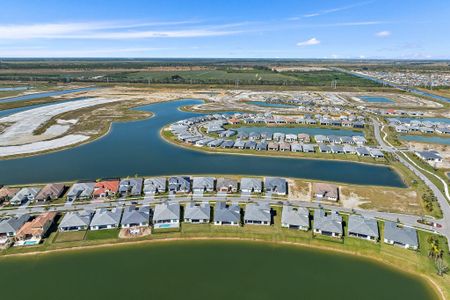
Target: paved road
pixel 441 198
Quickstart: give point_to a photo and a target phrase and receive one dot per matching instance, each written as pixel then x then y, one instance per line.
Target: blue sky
pixel 398 29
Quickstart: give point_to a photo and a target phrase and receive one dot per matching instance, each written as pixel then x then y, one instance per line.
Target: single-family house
pixel 76 221
pixel 7 193
pixel 429 156
pixel 273 146
pixel 327 224
pixel 227 214
pixel 155 185
pixel 131 187
pixel 106 188
pixel 106 219
pixel 166 215
pixel 251 185
pixel 10 226
pixel 261 146
pixel 203 184
pixel 258 213
pixel 51 191
pixel 81 190
pixel 325 191
pixel 32 232
pixel 308 148
pixel 275 185
pixel 135 216
pixel 296 147
pixel 364 228
pixel 197 213
pixel 295 217
pixel 395 234
pixel 227 185
pixel 179 184
pixel 284 147
pixel 24 195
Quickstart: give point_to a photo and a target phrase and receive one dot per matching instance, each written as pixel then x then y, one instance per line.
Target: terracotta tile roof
pixel 8 192
pixel 104 186
pixel 36 226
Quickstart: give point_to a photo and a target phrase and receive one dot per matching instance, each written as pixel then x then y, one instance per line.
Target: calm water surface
pixel 137 148
pixel 204 270
pixel 426 139
pixel 376 99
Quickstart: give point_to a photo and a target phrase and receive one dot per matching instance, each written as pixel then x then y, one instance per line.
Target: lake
pixel 44 95
pixel 204 270
pixel 426 139
pixel 12 89
pixel 308 130
pixel 268 104
pixel 137 148
pixel 374 99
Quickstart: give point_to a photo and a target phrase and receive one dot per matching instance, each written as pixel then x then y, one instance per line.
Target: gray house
pixel 76 221
pixel 166 215
pixel 106 219
pixel 10 226
pixel 155 185
pixel 179 184
pixel 257 214
pixel 227 214
pixel 135 217
pixel 24 195
pixel 251 185
pixel 275 185
pixel 197 213
pixel 295 217
pixel 130 187
pixel 401 236
pixel 203 184
pixel 363 228
pixel 327 224
pixel 82 190
pixel 227 185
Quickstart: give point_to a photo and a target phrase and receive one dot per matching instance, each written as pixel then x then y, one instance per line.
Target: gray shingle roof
pixel 76 219
pixel 13 224
pixel 331 222
pixel 276 185
pixel 166 211
pixel 133 186
pixel 81 190
pixel 203 183
pixel 105 217
pixel 197 212
pixel 251 184
pixel 155 184
pixel 360 225
pixel 133 215
pixel 403 235
pixel 296 216
pixel 259 211
pixel 222 213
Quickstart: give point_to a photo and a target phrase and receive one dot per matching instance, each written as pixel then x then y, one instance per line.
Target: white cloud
pixel 310 42
pixel 113 31
pixel 336 9
pixel 383 33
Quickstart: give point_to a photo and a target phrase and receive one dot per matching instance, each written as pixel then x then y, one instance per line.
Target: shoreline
pixel 428 280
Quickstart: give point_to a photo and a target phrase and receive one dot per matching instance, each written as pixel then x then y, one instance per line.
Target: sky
pixel 343 29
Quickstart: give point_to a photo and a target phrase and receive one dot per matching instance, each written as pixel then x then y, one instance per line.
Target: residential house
pixel 197 213
pixel 227 214
pixel 325 191
pixel 106 188
pixel 166 215
pixel 364 228
pixel 76 221
pixel 135 216
pixel 227 185
pixel 275 185
pixel 295 217
pixel 258 213
pixel 82 190
pixel 251 185
pixel 179 184
pixel 10 226
pixel 7 193
pixel 273 146
pixel 131 187
pixel 296 147
pixel 327 224
pixel 285 147
pixel 155 185
pixel 32 232
pixel 106 219
pixel 24 195
pixel 429 156
pixel 308 148
pixel 203 184
pixel 395 234
pixel 51 191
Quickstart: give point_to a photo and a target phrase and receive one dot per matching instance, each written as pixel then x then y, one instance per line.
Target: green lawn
pixel 62 237
pixel 104 234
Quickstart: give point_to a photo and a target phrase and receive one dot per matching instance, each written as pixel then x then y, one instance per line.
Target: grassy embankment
pixel 416 262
